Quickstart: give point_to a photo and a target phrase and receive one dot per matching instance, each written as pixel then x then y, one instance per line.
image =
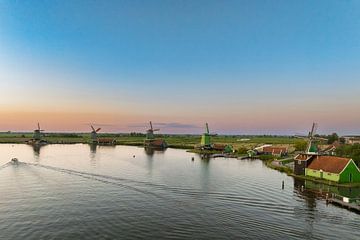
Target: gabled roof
pixel 329 148
pixel 329 164
pixel 275 150
pixel 303 157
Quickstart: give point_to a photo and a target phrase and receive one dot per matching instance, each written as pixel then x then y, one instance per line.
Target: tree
pixel 300 145
pixel 332 138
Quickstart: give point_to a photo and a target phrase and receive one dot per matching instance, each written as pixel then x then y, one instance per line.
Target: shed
pixel 276 151
pixel 337 169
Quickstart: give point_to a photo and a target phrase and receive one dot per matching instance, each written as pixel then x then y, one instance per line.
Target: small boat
pixel 14 161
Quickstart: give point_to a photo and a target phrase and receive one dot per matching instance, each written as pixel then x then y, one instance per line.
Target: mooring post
pixel 282 185
pixel 327 198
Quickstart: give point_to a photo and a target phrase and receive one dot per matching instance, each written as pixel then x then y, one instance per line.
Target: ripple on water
pixel 66 196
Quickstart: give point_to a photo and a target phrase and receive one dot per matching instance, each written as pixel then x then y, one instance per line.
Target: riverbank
pixel 174 141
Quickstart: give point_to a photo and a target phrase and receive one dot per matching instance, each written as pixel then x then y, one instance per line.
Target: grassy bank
pixel 174 141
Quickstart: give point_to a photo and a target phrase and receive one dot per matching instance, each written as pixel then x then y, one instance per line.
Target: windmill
pixel 205 138
pixel 38 133
pixel 94 136
pixel 151 141
pixel 312 140
pixel 150 132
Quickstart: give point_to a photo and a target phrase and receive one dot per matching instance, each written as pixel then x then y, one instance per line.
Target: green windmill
pixel 312 146
pixel 205 138
pixel 38 133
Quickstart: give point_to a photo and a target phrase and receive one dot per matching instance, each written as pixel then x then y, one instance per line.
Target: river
pixel 123 192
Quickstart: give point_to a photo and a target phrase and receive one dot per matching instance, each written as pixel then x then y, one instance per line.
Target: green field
pixel 175 141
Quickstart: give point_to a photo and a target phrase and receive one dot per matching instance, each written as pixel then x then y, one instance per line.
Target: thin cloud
pixel 166 125
pixel 100 124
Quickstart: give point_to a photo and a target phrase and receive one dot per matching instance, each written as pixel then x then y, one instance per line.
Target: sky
pixel 244 66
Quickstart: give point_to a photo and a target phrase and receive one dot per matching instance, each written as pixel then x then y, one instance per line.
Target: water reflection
pixel 93 148
pixel 319 190
pixel 36 148
pixel 149 151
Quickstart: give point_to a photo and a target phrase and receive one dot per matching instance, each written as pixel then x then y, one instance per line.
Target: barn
pixel 336 169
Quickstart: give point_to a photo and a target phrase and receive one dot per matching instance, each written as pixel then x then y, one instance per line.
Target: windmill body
pixel 205 138
pixel 151 141
pixel 94 135
pixel 303 160
pixel 38 133
pixel 312 147
pixel 94 138
pixel 37 138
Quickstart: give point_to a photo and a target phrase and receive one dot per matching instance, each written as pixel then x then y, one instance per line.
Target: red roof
pixel 329 163
pixel 275 150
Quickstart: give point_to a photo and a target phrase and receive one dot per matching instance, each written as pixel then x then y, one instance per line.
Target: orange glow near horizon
pixel 261 122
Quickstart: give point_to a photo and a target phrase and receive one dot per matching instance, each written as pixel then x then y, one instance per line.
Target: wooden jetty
pixel 342 202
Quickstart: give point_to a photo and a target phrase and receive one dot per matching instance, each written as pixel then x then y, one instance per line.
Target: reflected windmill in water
pixel 36 149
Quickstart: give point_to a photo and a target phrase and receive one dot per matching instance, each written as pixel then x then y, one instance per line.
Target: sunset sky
pixel 246 67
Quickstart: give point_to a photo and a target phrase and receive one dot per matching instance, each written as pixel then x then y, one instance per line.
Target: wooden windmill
pixel 38 133
pixel 94 135
pixel 101 141
pixel 312 140
pixel 151 141
pixel 150 132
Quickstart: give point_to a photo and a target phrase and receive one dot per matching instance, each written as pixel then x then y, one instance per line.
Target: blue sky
pixel 243 66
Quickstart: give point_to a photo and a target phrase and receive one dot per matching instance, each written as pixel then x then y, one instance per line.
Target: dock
pixel 351 206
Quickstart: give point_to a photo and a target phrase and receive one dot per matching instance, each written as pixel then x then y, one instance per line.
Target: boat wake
pixel 5 165
pixel 161 191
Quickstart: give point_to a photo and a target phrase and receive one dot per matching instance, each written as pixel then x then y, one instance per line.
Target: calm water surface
pixel 79 192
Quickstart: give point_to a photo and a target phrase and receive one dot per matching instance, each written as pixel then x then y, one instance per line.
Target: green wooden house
pixel 336 169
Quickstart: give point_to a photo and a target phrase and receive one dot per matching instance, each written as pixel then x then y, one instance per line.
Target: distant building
pixel 275 151
pixel 106 141
pixel 301 162
pixel 223 147
pixel 352 139
pixel 330 150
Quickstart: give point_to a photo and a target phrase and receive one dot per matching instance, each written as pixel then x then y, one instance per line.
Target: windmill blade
pixel 313 129
pixel 151 126
pixel 93 128
pixel 98 129
pixel 207 128
pixel 39 126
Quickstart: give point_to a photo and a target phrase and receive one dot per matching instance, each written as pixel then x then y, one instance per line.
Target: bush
pixel 300 145
pixel 242 150
pixel 351 151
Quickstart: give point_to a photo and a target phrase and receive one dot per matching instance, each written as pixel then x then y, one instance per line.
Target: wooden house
pixel 336 169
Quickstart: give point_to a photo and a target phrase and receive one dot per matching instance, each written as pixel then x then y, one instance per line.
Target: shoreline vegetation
pixel 187 142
